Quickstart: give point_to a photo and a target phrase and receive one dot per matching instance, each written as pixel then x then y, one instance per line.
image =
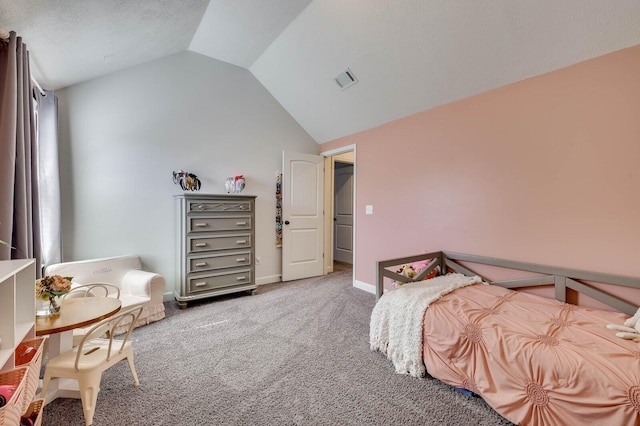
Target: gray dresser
pixel 215 241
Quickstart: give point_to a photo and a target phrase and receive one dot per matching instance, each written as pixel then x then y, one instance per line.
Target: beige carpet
pixel 293 354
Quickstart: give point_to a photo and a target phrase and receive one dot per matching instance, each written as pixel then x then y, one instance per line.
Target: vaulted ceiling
pixel 407 55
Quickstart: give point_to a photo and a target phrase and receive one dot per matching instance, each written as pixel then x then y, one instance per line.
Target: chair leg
pixel 136 382
pixel 45 384
pixel 89 385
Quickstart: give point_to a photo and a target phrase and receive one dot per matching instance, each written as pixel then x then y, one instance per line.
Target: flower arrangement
pixel 52 286
pixel 48 288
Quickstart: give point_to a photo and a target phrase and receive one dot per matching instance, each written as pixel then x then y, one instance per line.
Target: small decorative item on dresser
pixel 48 289
pixel 234 185
pixel 229 185
pixel 239 184
pixel 187 181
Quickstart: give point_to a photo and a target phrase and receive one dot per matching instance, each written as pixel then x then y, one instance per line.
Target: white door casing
pixel 343 214
pixel 302 215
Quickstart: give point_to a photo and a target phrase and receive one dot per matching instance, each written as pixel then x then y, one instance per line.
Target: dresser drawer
pixel 206 224
pixel 219 261
pixel 222 242
pixel 208 282
pixel 218 206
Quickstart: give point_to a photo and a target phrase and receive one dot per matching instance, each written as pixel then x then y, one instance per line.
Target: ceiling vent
pixel 346 79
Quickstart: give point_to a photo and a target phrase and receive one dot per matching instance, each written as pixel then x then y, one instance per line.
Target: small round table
pixel 76 313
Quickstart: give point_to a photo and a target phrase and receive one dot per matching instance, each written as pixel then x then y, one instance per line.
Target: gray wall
pixel 122 135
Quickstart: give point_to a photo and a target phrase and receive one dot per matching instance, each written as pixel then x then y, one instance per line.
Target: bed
pixel 535 360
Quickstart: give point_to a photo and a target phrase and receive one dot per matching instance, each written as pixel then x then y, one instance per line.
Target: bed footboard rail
pixel 563 279
pixel 437 260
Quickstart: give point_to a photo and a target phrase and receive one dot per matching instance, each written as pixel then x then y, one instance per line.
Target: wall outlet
pixel 368 209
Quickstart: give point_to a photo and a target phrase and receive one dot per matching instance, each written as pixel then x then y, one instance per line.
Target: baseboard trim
pixel 369 288
pixel 269 279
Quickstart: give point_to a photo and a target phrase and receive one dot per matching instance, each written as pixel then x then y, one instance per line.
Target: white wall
pixel 412 55
pixel 122 135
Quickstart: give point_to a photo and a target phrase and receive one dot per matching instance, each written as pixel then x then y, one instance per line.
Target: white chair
pixel 93 290
pixel 92 356
pixel 90 290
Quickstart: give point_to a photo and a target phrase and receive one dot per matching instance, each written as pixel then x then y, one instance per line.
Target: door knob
pixel 286 222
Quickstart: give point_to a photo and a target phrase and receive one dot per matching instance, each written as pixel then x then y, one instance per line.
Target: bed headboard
pixel 562 279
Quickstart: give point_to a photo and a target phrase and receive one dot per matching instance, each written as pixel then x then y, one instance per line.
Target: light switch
pixel 368 209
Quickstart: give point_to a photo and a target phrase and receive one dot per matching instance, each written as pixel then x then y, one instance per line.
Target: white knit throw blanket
pixel 396 320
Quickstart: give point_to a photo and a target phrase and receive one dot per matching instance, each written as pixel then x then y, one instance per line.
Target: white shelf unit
pixel 17 307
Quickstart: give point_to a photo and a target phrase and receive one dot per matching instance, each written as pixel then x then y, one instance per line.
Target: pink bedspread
pixel 536 361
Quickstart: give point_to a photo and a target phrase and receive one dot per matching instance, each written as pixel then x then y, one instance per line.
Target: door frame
pixel 328 205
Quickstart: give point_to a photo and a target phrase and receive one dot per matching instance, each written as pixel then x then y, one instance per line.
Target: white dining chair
pixel 93 290
pixel 97 289
pixel 94 354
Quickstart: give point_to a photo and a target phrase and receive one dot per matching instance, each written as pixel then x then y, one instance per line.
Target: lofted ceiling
pixel 407 55
pixel 72 41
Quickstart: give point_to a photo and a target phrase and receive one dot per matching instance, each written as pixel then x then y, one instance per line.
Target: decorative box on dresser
pixel 216 245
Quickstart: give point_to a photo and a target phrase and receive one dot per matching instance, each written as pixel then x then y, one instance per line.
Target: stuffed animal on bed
pixel 406 270
pixel 631 328
pixel 413 269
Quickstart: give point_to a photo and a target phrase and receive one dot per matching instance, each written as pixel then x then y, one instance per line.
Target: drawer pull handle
pixel 241 259
pixel 201 244
pixel 241 242
pixel 240 207
pixel 241 223
pixel 201 206
pixel 201 264
pixel 201 225
pixel 201 284
pixel 241 278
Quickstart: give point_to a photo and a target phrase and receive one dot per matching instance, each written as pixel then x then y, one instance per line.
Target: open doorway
pixel 339 205
pixel 343 212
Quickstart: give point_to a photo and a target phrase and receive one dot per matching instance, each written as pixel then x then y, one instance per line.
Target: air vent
pixel 346 79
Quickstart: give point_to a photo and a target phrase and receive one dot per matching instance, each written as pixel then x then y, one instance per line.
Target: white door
pixel 343 213
pixel 302 215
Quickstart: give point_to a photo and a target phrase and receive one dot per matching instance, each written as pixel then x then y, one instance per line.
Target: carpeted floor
pixel 295 353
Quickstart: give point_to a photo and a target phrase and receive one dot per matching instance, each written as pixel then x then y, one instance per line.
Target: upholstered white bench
pixel 137 287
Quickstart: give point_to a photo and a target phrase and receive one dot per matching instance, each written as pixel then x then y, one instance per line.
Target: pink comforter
pixel 536 361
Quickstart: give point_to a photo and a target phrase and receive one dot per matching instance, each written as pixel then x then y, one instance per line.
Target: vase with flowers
pixel 48 289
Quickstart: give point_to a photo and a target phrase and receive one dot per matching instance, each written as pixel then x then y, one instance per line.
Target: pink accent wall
pixel 545 170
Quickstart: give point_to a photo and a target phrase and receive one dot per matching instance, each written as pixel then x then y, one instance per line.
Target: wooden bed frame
pixel 562 279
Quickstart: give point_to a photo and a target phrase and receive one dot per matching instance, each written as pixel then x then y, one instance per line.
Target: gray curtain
pixel 49 177
pixel 19 224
